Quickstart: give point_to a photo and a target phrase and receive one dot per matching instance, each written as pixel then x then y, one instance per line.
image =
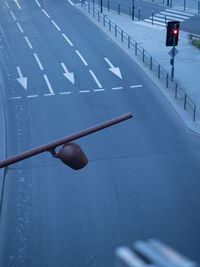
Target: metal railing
pixel 172 86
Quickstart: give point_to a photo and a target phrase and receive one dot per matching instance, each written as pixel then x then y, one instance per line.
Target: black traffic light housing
pixel 172 33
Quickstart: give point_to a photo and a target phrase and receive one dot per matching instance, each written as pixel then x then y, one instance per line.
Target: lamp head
pixel 73 156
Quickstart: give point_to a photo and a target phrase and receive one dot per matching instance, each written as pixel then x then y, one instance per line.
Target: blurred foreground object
pixel 150 253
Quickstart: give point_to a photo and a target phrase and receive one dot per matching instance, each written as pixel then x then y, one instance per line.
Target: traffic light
pixel 172 33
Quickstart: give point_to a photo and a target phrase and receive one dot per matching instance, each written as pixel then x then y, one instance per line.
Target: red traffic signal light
pixel 172 33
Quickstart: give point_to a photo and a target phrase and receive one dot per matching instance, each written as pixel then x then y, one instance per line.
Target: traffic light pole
pixel 172 59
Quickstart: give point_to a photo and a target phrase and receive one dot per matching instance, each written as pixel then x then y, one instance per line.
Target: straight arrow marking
pixel 113 69
pixel 22 80
pixel 67 74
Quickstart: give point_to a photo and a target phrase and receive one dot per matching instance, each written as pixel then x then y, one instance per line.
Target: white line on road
pixel 71 2
pixel 18 5
pixel 95 78
pixel 81 57
pixel 38 61
pixel 57 27
pixel 99 90
pixel 84 91
pixel 7 4
pixel 48 94
pixel 15 97
pixel 37 3
pixel 64 93
pixel 173 15
pixel 67 39
pixel 45 13
pixel 135 86
pixel 183 13
pixel 31 96
pixel 117 88
pixel 28 42
pixel 49 85
pixel 20 28
pixel 13 16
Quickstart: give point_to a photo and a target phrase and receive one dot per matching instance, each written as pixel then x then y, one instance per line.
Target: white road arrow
pixel 22 80
pixel 115 70
pixel 67 74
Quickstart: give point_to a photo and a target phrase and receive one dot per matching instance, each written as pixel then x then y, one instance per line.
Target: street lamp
pixel 70 154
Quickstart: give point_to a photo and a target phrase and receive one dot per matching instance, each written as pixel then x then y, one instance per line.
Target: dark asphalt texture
pixel 142 180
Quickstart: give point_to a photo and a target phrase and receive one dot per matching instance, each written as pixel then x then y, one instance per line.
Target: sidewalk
pixel 152 38
pixel 186 5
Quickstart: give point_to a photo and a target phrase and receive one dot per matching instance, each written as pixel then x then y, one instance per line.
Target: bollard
pixel 109 25
pixel 115 30
pixel 143 54
pixel 98 16
pixel 118 9
pixel 135 48
pixel 152 16
pixel 104 20
pixel 93 12
pixel 129 41
pixel 176 89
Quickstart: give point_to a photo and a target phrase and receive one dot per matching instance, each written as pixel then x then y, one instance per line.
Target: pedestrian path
pixel 163 17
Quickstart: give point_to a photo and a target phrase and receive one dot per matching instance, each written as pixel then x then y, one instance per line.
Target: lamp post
pixel 70 154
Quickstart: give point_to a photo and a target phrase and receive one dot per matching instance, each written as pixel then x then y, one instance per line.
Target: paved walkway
pixel 187 62
pixel 187 5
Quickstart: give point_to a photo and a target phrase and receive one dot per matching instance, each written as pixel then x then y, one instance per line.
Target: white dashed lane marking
pixel 13 16
pixel 81 57
pixel 28 42
pixel 46 14
pixel 95 79
pixel 20 27
pixel 38 61
pixel 57 27
pixel 67 39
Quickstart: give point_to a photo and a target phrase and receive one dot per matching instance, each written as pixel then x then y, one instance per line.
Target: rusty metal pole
pixel 52 145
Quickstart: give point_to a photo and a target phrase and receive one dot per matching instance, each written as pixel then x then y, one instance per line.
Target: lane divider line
pixel 28 42
pixel 81 57
pixel 38 61
pixel 57 27
pixel 18 5
pixel 45 13
pixel 135 86
pixel 20 27
pixel 65 93
pixel 117 88
pixel 30 96
pixel 7 4
pixel 37 3
pixel 15 97
pixel 84 91
pixel 13 16
pixel 67 39
pixel 99 90
pixel 95 78
pixel 71 2
pixel 48 85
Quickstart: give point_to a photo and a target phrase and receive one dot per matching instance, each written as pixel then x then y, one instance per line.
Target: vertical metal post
pixel 129 41
pixel 176 89
pixel 135 48
pixel 159 71
pixel 133 10
pixel 143 55
pixel 194 114
pixel 101 6
pixel 118 9
pixel 172 59
pixel 152 17
pixel 167 2
pixel 98 15
pixel 184 5
pixel 88 7
pixel 170 3
pixel 108 6
pixel 115 30
pixel 104 20
pixel 151 63
pixel 185 101
pixel 122 36
pixel 109 25
pixel 139 14
pixel 167 80
pixel 93 11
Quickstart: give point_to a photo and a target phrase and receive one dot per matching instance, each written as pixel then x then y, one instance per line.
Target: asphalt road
pixel 142 180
